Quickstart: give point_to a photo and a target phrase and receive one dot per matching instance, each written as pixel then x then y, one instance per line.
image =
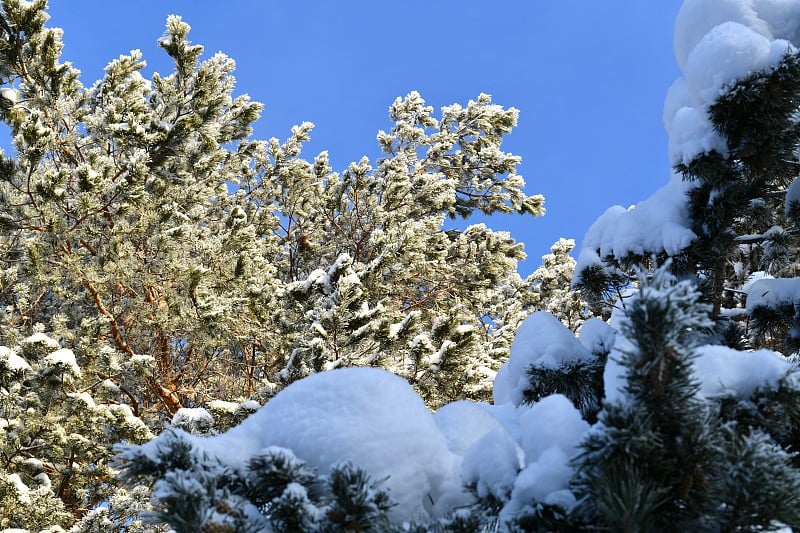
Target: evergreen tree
pixel 141 212
pixel 661 459
pixel 738 211
pixel 60 414
pixel 725 221
pixel 187 264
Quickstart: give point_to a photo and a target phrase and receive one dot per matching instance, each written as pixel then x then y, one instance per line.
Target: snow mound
pixel 697 18
pixel 723 371
pixel 551 422
pixel 541 340
pixel 492 464
pixel 463 423
pixel 730 51
pixel 597 336
pixel 366 415
pixel 659 224
pixel 773 293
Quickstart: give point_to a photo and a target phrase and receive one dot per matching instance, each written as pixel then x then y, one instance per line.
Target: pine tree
pixel 738 211
pixel 730 221
pixel 661 459
pixel 140 212
pixel 60 418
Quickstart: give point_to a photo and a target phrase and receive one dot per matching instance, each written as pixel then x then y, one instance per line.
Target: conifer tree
pixel 60 414
pixel 660 458
pixel 738 211
pixel 140 212
pixel 187 264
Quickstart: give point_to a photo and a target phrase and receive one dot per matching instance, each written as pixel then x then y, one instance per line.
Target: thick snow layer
pixel 541 340
pixel 691 133
pixel 366 415
pixel 550 433
pixel 772 293
pixel 659 224
pixel 720 371
pixel 782 18
pixel 492 464
pixel 723 371
pixel 12 361
pixel 717 42
pixel 730 51
pixel 545 480
pixel 66 358
pixel 792 196
pixel 697 18
pixel 551 422
pixel 463 423
pixel 597 336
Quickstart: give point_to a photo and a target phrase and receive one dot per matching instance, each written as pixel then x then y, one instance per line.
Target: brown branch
pixel 115 333
pixel 92 250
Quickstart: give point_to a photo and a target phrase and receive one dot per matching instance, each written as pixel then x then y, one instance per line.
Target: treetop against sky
pixel 588 78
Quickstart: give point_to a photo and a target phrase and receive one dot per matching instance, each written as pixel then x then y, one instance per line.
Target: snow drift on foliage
pixel 366 415
pixel 541 340
pixel 717 42
pixel 658 224
pixel 720 371
pixel 723 371
pixel 773 293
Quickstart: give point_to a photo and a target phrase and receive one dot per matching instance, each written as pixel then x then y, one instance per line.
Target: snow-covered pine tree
pixel 661 458
pixel 371 276
pixel 138 212
pixel 723 223
pixel 725 219
pixel 60 415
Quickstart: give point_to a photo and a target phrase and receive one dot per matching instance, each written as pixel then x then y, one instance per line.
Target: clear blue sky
pixel 588 77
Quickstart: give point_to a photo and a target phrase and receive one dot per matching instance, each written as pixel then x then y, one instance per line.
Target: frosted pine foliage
pixel 58 428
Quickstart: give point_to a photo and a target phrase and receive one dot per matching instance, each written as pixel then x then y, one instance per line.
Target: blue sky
pixel 588 77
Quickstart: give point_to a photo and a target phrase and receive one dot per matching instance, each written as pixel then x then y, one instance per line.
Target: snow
pixel 463 423
pixel 193 417
pixel 541 340
pixel 717 42
pixel 658 224
pixel 84 397
pixel 730 51
pixel 366 415
pixel 723 371
pixel 22 490
pixel 10 95
pixel 691 134
pixel 41 338
pixel 773 293
pixel 545 481
pixel 720 371
pixel 792 196
pixel 12 361
pixel 492 464
pixel 597 336
pixel 551 422
pixel 223 406
pixel 697 18
pixel 66 358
